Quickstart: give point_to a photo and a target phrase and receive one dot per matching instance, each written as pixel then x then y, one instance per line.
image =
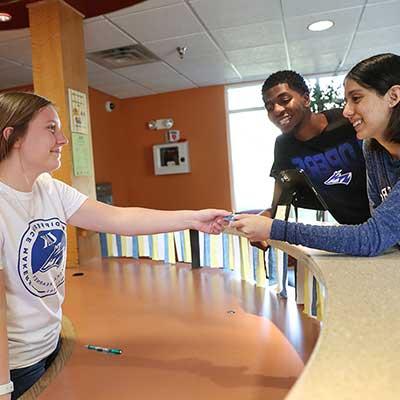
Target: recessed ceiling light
pixel 5 17
pixel 320 26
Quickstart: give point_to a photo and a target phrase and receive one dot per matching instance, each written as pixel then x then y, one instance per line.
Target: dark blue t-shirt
pixel 334 163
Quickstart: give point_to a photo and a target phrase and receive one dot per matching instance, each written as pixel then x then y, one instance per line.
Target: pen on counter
pixel 103 349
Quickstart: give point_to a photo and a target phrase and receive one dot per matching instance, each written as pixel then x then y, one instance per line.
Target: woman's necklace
pixel 29 212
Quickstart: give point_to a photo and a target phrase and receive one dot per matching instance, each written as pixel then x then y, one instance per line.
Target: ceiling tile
pixel 130 89
pixel 156 76
pixel 93 19
pixel 295 8
pixel 107 77
pixel 381 1
pixel 92 67
pixel 18 50
pixel 320 64
pixel 6 36
pixel 257 55
pixel 15 76
pixel 218 14
pixel 345 22
pixel 207 70
pixel 260 71
pixel 144 5
pixel 160 23
pixel 253 35
pixel 102 35
pixel 311 48
pixel 112 87
pixel 358 54
pixel 198 46
pixel 5 64
pixel 201 59
pixel 386 37
pixel 380 16
pixel 227 81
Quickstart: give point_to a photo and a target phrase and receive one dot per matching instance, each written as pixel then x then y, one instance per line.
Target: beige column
pixel 58 60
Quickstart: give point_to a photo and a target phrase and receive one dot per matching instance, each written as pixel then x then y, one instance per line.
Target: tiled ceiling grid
pixel 227 41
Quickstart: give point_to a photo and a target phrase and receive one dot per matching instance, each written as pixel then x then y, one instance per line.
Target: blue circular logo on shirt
pixel 41 256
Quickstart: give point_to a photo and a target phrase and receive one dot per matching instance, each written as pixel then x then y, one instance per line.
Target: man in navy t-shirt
pixel 324 145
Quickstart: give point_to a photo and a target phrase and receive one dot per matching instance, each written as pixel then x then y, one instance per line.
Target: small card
pixel 230 218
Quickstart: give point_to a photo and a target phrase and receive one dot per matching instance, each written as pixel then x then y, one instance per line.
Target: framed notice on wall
pixel 78 111
pixel 81 154
pixel 81 150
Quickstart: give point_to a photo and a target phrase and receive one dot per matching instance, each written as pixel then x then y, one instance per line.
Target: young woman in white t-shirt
pixel 34 211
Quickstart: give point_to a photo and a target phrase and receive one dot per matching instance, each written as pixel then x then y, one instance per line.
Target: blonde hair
pixel 17 109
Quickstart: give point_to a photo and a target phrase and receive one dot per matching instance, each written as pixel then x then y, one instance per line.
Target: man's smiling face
pixel 286 107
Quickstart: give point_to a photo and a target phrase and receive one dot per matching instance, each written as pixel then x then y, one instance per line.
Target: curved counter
pixel 357 355
pixel 185 334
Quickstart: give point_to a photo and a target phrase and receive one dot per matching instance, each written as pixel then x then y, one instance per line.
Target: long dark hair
pixel 380 73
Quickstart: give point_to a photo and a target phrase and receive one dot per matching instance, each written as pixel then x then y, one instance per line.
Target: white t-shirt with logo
pixel 33 250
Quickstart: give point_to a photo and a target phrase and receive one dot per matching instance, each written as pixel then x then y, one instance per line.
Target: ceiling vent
pixel 123 56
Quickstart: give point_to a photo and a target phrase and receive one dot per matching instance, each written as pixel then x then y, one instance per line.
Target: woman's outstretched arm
pixel 100 217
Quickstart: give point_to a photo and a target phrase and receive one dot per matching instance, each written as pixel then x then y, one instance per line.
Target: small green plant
pixel 325 99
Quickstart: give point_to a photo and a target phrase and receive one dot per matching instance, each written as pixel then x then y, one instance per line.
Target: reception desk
pixel 185 334
pixel 357 355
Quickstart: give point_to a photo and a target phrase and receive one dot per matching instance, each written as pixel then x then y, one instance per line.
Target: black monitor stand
pixel 298 191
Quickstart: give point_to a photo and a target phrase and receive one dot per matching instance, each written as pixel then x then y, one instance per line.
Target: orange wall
pixel 122 146
pixel 105 126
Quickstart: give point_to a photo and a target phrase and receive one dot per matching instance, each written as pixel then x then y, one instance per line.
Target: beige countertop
pixel 357 355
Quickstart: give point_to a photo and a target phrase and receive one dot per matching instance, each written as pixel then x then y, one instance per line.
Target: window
pixel 252 138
